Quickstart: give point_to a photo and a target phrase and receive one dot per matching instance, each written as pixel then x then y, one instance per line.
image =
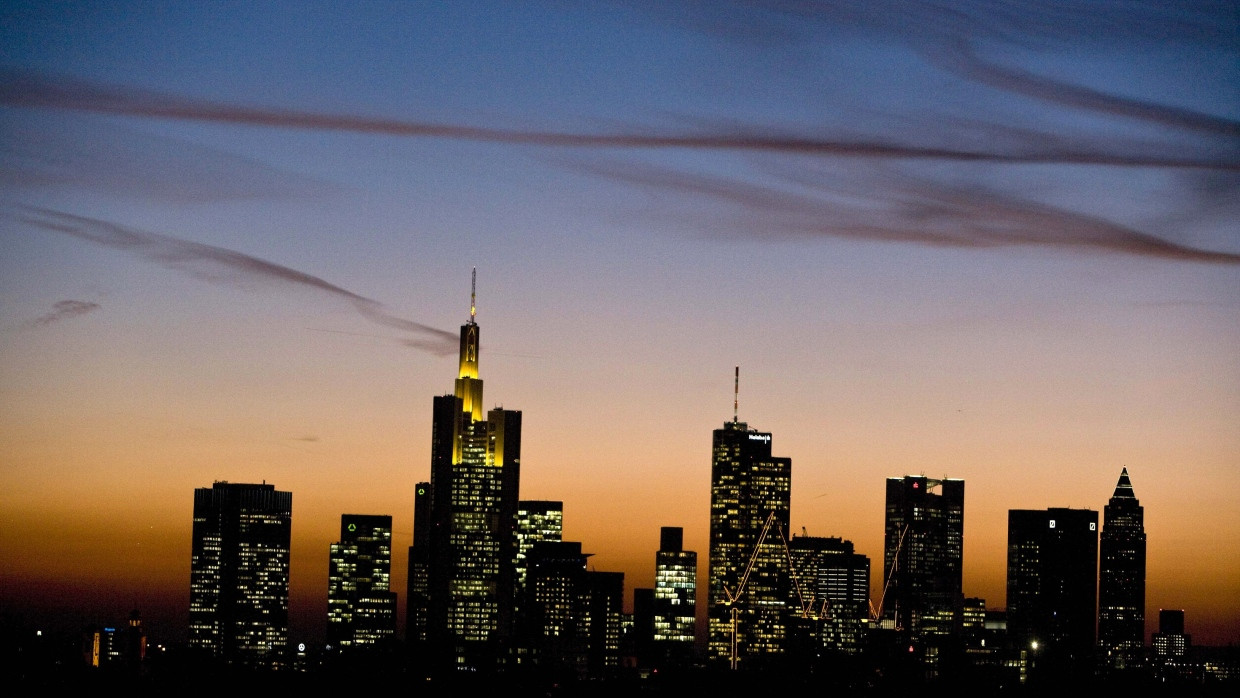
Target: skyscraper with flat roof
pixel 1121 580
pixel 417 579
pixel 750 497
pixel 834 586
pixel 537 520
pixel 361 607
pixel 473 493
pixel 675 594
pixel 239 574
pixel 1052 589
pixel 923 554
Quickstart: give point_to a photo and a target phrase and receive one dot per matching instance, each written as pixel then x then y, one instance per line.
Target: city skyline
pixel 237 239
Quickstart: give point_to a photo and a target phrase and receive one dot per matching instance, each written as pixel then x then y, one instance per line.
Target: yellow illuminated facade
pixel 475 470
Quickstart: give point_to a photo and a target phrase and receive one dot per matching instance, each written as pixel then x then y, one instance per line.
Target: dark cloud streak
pixel 904 208
pixel 33 91
pixel 220 265
pixel 64 310
pixel 961 59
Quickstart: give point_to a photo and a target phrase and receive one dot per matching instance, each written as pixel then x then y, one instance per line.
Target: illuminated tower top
pixel 468 385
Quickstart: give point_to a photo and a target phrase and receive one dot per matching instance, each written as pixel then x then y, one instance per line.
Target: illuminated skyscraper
pixel 475 471
pixel 1052 589
pixel 361 607
pixel 923 550
pixel 537 520
pixel 835 586
pixel 1121 579
pixel 239 572
pixel 675 596
pixel 750 495
pixel 572 619
pixel 1170 647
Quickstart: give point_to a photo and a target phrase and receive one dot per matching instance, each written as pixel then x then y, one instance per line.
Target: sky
pixel 990 241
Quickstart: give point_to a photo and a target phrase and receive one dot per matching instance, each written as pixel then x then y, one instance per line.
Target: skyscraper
pixel 1171 647
pixel 750 496
pixel 835 586
pixel 555 633
pixel 923 555
pixel 1052 583
pixel 537 520
pixel 239 574
pixel 361 607
pixel 1121 580
pixel 417 581
pixel 475 472
pixel 675 595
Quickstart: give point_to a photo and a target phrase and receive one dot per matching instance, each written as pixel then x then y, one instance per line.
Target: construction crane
pixel 732 597
pixel 876 614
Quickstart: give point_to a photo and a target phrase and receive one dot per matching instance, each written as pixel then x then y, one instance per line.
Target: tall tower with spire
pixel 1121 580
pixel 750 496
pixel 472 496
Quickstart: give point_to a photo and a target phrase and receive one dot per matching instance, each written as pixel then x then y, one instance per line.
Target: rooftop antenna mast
pixel 473 287
pixel 736 389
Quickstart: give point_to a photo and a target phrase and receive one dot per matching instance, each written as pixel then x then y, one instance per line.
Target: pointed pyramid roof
pixel 1123 489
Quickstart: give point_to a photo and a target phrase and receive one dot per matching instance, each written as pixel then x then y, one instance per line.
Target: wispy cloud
pixel 92 154
pixel 219 265
pixel 893 206
pixel 29 90
pixel 64 310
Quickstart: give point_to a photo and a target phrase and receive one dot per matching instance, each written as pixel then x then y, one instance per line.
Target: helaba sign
pixel 765 438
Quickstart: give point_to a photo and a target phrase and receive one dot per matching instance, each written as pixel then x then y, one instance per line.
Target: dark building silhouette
pixel 604 606
pixel 239 574
pixel 471 545
pixel 554 633
pixel 1121 580
pixel 923 563
pixel 417 579
pixel 639 642
pixel 1052 578
pixel 361 606
pixel 118 649
pixel 750 495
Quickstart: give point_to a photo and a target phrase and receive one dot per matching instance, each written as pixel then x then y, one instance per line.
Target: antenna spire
pixel 473 286
pixel 736 389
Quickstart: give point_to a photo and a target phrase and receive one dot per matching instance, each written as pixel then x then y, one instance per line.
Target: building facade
pixel 472 544
pixel 675 596
pixel 750 496
pixel 923 555
pixel 1121 580
pixel 1052 582
pixel 417 578
pixel 361 606
pixel 833 593
pixel 554 636
pixel 537 520
pixel 239 574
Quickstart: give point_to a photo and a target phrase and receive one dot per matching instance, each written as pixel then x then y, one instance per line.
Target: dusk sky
pixel 991 241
